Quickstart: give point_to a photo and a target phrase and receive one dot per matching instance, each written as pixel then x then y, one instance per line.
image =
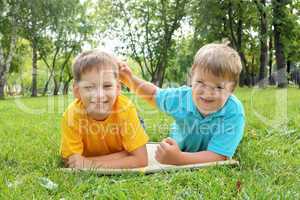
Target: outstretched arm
pixel 140 87
pixel 168 152
pixel 135 159
pixel 113 156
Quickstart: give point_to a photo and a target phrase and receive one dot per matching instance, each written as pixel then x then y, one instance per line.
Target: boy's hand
pixel 168 152
pixel 79 162
pixel 125 73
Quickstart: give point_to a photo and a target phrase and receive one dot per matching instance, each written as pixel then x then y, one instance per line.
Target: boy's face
pixel 98 91
pixel 210 92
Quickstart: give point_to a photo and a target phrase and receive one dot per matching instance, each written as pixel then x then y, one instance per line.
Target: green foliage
pixel 148 27
pixel 161 37
pixel 181 62
pixel 22 53
pixel 70 27
pixel 292 37
pixel 8 11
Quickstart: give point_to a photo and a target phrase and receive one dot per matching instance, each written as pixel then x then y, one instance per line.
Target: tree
pixel 225 19
pixel 279 15
pixel 67 77
pixel 69 27
pixel 34 16
pixel 262 9
pixel 271 78
pixel 292 38
pixel 8 38
pixel 149 27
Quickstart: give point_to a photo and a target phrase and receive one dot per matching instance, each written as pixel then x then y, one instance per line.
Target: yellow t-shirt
pixel 83 135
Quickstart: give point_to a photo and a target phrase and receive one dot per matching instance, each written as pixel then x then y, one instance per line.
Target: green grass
pixel 269 155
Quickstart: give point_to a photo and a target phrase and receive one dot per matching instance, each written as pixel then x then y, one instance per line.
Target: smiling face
pixel 209 92
pixel 98 90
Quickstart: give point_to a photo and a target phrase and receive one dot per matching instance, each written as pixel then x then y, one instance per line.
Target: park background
pixel 39 40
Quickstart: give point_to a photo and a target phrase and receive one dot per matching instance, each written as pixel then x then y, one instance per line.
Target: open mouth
pixel 206 100
pixel 100 104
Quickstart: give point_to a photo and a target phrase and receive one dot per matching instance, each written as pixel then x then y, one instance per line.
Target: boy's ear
pixel 119 87
pixel 76 90
pixel 232 87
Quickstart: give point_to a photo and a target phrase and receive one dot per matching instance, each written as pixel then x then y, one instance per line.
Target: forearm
pixel 128 161
pixel 117 155
pixel 199 157
pixel 143 89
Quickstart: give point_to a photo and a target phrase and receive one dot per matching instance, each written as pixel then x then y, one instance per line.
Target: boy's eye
pixel 88 87
pixel 108 86
pixel 220 88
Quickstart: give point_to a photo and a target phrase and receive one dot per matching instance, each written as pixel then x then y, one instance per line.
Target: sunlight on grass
pixel 268 155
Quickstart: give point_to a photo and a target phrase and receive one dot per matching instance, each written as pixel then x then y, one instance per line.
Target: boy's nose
pixel 208 91
pixel 100 94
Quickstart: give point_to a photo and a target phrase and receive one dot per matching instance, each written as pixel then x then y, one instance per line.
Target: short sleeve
pixel 71 140
pixel 133 134
pixel 229 135
pixel 170 100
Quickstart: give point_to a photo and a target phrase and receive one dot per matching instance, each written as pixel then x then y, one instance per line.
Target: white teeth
pixel 206 100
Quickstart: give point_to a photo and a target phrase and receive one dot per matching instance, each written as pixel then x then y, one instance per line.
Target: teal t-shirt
pixel 219 132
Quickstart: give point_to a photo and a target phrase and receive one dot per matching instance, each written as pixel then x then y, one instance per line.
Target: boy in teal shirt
pixel 209 119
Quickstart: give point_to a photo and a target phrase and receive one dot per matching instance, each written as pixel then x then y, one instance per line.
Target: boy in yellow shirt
pixel 101 127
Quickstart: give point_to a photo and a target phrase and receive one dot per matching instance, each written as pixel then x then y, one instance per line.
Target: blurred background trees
pixel 39 39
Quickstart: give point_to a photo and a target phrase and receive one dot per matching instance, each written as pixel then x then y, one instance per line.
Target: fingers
pixel 122 65
pixel 75 161
pixel 71 163
pixel 159 153
pixel 169 141
pixel 164 145
pixel 160 150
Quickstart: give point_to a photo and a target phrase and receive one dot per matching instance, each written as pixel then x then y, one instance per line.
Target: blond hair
pixel 220 60
pixel 94 59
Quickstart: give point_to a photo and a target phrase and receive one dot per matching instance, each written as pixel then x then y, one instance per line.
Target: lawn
pixel 269 155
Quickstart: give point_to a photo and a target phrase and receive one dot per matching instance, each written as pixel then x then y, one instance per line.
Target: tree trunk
pixel 63 67
pixel 47 84
pixel 2 85
pixel 66 87
pixel 279 54
pixel 2 75
pixel 34 70
pixel 263 43
pixel 288 64
pixel 280 60
pixel 6 63
pixel 158 76
pixel 298 77
pixel 9 90
pixel 52 68
pixel 245 74
pixel 56 86
pixel 253 81
pixel 66 84
pixel 271 79
pixel 237 39
pixel 22 82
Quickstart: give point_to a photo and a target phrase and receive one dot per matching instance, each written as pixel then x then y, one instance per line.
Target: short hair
pixel 220 60
pixel 94 59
